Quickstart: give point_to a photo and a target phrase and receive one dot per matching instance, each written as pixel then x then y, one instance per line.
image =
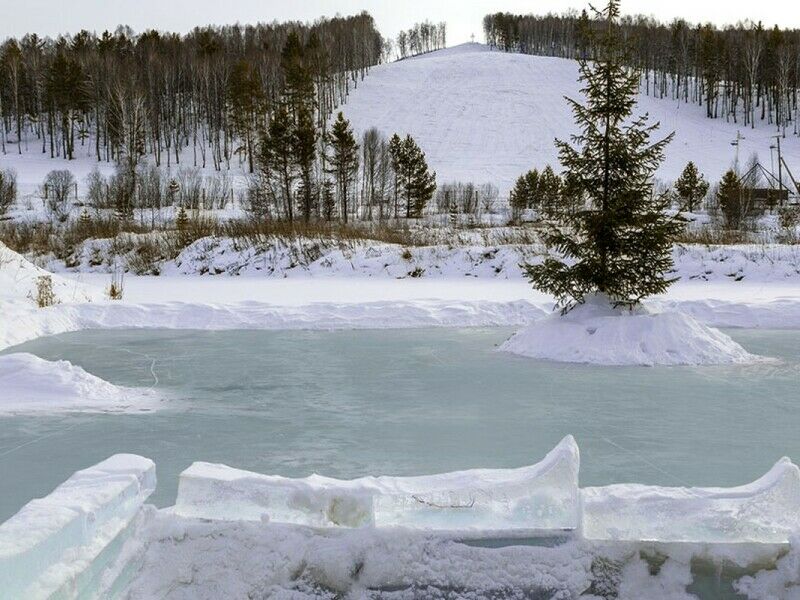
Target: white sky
pixel 464 17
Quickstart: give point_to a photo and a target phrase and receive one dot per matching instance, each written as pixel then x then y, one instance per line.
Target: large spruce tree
pixel 619 243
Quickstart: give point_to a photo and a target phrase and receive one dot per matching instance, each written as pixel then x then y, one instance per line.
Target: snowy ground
pixel 474 113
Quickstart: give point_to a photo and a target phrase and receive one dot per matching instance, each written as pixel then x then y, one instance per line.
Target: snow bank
pixel 460 253
pixel 737 262
pixel 540 497
pixel 18 278
pixel 208 560
pixel 598 334
pixel 51 541
pixel 766 511
pixel 32 323
pixel 32 384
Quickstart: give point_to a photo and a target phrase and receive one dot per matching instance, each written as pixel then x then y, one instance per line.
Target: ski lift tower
pixel 739 138
pixel 781 166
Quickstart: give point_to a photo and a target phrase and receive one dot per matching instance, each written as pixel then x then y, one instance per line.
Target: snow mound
pixel 543 496
pixel 18 278
pixel 765 511
pixel 51 541
pixel 32 384
pixel 596 333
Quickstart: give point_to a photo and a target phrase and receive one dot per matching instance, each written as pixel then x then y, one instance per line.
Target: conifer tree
pixel 304 148
pixel 549 190
pixel 395 151
pixel 620 244
pixel 691 187
pixel 245 98
pixel 328 199
pixel 416 183
pixel 343 160
pixel 731 198
pixel 299 83
pixel 525 192
pixel 276 159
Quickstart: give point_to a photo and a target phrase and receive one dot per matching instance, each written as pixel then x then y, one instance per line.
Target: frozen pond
pixel 404 402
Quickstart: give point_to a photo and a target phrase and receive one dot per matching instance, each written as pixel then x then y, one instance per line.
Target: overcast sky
pixel 463 17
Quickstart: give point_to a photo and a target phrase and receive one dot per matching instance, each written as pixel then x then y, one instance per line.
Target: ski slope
pixel 487 116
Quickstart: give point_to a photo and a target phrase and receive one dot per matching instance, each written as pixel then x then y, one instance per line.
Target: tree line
pixel 120 95
pixel 421 38
pixel 742 73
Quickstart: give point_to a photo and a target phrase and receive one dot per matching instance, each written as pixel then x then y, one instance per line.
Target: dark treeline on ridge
pixel 742 73
pixel 421 38
pixel 212 90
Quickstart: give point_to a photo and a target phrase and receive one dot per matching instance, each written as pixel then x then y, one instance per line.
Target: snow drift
pixel 543 496
pixel 596 333
pixel 31 384
pixel 18 277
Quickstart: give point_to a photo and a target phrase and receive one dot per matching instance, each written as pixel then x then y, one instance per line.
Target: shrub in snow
pixel 8 189
pixel 45 296
pixel 57 187
pixel 789 217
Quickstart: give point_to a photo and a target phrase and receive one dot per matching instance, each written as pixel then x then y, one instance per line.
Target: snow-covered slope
pixel 486 116
pixel 19 276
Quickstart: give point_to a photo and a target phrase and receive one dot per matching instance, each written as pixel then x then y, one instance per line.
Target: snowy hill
pixel 486 116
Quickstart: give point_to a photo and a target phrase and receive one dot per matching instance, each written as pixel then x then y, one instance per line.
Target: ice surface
pixel 31 384
pixel 595 333
pixel 41 545
pixel 766 511
pixel 540 497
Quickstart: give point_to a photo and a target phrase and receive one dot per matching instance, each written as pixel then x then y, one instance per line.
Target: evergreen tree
pixel 525 192
pixel 343 161
pixel 299 83
pixel 304 147
pixel 244 101
pixel 395 151
pixel 66 92
pixel 276 160
pixel 732 199
pixel 691 187
pixel 328 198
pixel 549 192
pixel 620 244
pixel 416 183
